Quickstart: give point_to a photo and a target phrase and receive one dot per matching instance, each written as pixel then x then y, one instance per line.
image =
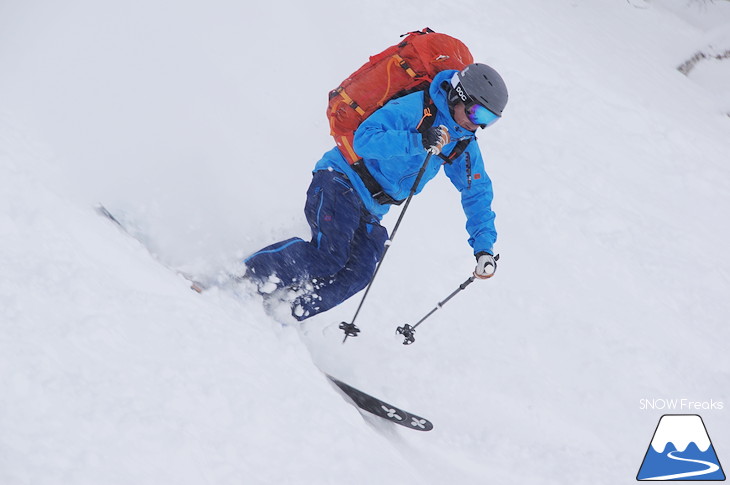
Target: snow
pixel 201 122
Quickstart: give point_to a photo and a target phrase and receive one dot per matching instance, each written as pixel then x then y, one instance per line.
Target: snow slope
pixel 202 120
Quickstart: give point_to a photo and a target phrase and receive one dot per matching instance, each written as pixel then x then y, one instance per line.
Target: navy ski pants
pixel 347 242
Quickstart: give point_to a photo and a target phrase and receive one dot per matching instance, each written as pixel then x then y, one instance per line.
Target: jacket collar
pixel 440 99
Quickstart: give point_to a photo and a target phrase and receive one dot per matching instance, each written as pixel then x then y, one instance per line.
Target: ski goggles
pixel 479 115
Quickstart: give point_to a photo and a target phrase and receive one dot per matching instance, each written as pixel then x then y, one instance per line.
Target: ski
pixel 382 409
pixel 194 284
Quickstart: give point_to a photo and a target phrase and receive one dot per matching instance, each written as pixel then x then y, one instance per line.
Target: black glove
pixel 486 265
pixel 435 138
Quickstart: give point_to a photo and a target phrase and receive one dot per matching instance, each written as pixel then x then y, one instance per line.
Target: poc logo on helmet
pixel 461 93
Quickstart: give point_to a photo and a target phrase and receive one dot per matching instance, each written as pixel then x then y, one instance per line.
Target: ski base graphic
pixel 382 409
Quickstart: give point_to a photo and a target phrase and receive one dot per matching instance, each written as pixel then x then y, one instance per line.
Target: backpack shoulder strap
pixel 429 116
pixel 429 112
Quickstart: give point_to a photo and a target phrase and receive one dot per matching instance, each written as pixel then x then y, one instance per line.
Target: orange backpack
pixel 399 70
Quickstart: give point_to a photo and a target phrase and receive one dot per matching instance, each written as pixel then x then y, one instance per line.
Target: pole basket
pixel 350 329
pixel 407 331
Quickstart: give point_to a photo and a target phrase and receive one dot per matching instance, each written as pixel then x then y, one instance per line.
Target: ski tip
pixel 197 286
pixel 101 210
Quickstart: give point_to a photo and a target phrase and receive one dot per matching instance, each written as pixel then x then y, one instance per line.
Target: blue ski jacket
pixel 393 152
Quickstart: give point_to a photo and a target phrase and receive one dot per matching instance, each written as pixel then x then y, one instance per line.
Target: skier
pixel 346 203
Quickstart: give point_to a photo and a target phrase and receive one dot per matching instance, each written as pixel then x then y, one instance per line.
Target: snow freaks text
pixel 682 404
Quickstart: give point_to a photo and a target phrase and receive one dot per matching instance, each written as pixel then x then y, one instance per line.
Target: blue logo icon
pixel 681 450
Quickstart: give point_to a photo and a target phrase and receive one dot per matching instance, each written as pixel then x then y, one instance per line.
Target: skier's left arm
pixel 468 175
pixel 390 132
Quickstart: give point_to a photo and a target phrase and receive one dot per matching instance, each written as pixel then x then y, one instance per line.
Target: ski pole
pixel 407 330
pixel 351 329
